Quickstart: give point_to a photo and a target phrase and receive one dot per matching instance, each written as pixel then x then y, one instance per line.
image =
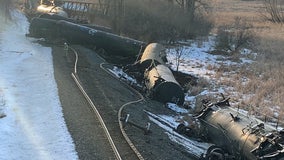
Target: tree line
pixel 157 20
pixel 274 11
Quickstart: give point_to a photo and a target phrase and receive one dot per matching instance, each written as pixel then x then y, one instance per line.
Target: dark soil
pixel 184 79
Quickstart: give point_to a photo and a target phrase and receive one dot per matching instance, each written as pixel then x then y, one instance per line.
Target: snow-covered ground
pixel 197 60
pixel 32 123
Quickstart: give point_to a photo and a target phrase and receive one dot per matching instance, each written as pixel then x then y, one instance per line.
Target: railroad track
pixel 113 142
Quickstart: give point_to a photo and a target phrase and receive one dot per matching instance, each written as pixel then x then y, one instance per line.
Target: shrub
pixel 273 11
pixel 234 36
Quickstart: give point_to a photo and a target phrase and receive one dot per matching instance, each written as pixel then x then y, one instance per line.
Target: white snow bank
pixel 34 126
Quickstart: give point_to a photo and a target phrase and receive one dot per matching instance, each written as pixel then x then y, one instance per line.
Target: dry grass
pixel 196 89
pixel 264 80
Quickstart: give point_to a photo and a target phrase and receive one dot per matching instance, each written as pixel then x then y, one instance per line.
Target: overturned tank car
pixel 43 28
pixel 236 135
pixel 78 34
pixel 162 85
pixel 58 17
pixel 153 54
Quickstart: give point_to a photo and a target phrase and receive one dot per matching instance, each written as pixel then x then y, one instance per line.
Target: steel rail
pixel 77 81
pixel 130 143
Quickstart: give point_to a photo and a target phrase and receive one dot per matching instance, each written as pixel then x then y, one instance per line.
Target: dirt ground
pixel 108 95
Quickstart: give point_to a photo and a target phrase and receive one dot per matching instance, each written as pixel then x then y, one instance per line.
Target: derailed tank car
pixel 153 54
pixel 78 34
pixel 48 6
pixel 111 43
pixel 162 85
pixel 52 10
pixel 159 81
pixel 43 28
pixel 58 17
pixel 237 135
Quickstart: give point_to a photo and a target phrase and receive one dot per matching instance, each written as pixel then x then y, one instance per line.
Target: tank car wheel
pixel 215 153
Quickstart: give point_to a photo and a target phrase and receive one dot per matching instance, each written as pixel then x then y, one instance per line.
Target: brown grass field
pixel 266 76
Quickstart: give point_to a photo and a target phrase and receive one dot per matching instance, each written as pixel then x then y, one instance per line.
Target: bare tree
pixel 5 8
pixel 105 5
pixel 191 6
pixel 235 36
pixel 188 6
pixel 169 20
pixel 118 14
pixel 180 52
pixel 274 11
pixel 155 20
